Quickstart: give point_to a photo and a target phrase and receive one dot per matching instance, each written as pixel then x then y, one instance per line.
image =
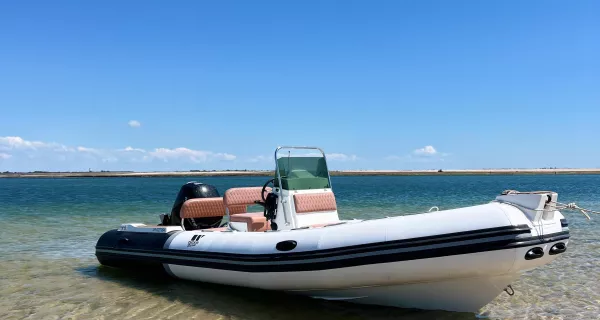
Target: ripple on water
pixel 48 269
pixel 78 289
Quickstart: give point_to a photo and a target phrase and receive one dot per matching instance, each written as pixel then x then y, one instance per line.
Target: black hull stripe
pixel 510 231
pixel 303 258
pixel 294 260
pixel 283 259
pixel 340 262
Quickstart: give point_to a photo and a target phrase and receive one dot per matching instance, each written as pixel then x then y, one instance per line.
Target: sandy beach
pixel 108 174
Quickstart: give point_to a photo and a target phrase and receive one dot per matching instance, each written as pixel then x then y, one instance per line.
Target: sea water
pixel 50 226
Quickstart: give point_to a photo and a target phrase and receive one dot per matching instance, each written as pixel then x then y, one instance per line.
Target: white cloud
pixel 260 158
pixel 425 154
pixel 130 149
pixel 134 124
pixel 179 153
pixel 331 156
pixel 62 148
pixel 426 151
pixel 20 143
pixel 394 158
pixel 225 156
pixel 88 150
pixel 414 159
pixel 102 155
pixel 37 155
pixel 341 157
pixel 196 156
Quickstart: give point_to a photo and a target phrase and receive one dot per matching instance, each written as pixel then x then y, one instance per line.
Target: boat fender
pixel 558 248
pixel 534 253
pixel 286 245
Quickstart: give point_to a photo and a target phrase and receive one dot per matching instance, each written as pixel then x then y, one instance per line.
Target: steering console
pixel 269 203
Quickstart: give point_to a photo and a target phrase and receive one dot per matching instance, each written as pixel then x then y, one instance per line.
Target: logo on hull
pixel 195 240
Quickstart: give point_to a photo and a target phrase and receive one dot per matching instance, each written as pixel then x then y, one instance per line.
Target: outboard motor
pixel 192 190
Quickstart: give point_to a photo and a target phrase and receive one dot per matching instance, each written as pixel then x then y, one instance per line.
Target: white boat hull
pixel 463 294
pixel 453 283
pixel 456 260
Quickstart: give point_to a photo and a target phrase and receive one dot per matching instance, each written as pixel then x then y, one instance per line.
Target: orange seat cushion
pixel 255 221
pixel 202 208
pixel 243 196
pixel 314 202
pixel 217 229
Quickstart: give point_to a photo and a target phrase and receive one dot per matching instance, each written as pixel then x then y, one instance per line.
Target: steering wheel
pixel 264 189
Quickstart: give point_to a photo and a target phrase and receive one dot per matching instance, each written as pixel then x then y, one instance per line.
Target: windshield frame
pixel 277 173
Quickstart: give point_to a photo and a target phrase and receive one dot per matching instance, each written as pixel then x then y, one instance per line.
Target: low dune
pixel 108 174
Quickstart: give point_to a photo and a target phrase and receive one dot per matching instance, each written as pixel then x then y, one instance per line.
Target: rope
pixel 574 206
pixel 506 192
pixel 559 205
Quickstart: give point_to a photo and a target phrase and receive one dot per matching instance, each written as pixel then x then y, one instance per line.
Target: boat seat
pixel 218 229
pixel 236 202
pixel 255 221
pixel 314 202
pixel 201 208
pixel 315 209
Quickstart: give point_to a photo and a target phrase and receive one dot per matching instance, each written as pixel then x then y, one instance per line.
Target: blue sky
pixel 377 84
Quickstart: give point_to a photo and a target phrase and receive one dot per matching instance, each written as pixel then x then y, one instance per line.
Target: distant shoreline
pixel 240 173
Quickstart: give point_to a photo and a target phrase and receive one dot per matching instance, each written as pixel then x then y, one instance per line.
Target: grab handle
pixel 534 253
pixel 558 248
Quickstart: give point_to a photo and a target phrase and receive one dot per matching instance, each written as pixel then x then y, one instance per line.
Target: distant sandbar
pixel 110 174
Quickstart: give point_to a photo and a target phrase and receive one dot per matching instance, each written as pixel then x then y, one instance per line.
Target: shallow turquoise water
pixel 50 227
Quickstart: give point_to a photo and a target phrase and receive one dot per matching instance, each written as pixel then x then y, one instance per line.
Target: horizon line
pixel 216 173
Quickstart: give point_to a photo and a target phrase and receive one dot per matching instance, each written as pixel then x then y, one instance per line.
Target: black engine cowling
pixel 192 190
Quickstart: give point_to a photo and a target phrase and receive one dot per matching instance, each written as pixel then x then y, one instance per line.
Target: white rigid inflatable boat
pixel 456 260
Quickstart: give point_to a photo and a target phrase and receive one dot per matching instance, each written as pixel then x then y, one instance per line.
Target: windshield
pixel 301 172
